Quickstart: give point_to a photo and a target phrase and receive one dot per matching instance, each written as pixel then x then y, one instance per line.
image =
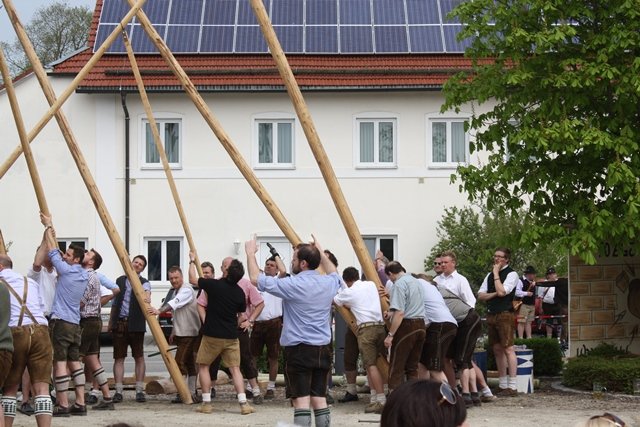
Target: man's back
pixel 225 301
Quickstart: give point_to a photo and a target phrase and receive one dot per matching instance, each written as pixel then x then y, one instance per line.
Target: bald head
pixel 5 262
pixel 225 265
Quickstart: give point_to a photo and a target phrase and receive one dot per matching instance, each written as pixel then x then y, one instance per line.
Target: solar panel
pixel 302 26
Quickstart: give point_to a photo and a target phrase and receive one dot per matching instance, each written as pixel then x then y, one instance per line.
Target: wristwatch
pixel 390 335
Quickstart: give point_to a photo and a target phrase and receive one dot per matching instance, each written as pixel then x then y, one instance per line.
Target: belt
pixel 123 319
pixel 91 318
pixel 269 320
pixel 369 324
pixel 415 319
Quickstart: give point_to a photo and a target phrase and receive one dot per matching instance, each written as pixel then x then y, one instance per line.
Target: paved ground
pixel 547 406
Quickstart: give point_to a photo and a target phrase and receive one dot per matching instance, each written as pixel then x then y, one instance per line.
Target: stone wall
pixel 605 302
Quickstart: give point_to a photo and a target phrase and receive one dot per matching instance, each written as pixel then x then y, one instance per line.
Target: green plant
pixel 616 374
pixel 547 357
pixel 603 350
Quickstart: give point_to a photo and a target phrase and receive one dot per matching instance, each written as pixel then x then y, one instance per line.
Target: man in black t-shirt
pixel 220 331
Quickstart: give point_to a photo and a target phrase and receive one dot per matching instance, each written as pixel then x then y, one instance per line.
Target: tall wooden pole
pixel 72 87
pixel 98 202
pixel 160 149
pixel 217 129
pixel 316 146
pixel 3 247
pixel 22 133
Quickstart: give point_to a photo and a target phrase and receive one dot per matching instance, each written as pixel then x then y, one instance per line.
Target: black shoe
pixel 468 402
pixel 117 398
pixel 213 393
pixel 140 397
pixel 176 399
pixel 90 399
pixel 249 394
pixel 61 411
pixel 476 399
pixel 105 405
pixel 26 409
pixel 348 397
pixel 76 409
pixel 330 400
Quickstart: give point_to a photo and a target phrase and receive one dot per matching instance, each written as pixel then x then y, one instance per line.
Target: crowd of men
pixel 429 331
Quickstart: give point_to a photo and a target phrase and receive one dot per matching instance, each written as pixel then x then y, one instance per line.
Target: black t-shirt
pixel 226 300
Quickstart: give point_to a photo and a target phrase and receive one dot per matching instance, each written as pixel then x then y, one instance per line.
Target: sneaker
pixel 258 399
pixel 105 405
pixel 205 408
pixel 488 399
pixel 90 399
pixel 348 397
pixel 26 409
pixel 374 408
pixel 117 398
pixel 80 410
pixel 140 397
pixel 270 394
pixel 246 409
pixel 329 398
pixel 176 399
pixel 61 411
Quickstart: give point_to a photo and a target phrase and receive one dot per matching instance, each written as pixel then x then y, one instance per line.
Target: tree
pixel 474 235
pixel 55 31
pixel 562 81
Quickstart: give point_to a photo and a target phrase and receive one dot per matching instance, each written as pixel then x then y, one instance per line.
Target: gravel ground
pixel 548 406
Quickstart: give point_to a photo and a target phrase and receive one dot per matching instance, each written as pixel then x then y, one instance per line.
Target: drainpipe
pixel 127 179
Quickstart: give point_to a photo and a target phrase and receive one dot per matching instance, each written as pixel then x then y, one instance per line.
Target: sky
pixel 26 9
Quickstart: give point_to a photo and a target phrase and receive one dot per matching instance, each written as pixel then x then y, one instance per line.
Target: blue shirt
pixel 72 282
pixel 106 282
pixel 306 305
pixel 128 292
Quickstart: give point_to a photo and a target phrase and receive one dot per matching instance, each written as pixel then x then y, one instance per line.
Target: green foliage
pixel 474 235
pixel 56 30
pixel 614 373
pixel 562 129
pixel 262 363
pixel 603 350
pixel 547 357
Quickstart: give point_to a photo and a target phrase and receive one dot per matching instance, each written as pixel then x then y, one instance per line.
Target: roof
pixel 258 72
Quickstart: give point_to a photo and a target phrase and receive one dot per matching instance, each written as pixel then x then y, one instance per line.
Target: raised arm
pixel 193 272
pixel 325 262
pixel 251 247
pixel 49 238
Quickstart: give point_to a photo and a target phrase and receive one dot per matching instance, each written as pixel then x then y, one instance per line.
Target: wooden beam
pixel 72 87
pixel 217 129
pixel 3 247
pixel 96 197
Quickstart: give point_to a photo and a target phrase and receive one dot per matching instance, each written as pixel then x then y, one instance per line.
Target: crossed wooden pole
pixel 301 110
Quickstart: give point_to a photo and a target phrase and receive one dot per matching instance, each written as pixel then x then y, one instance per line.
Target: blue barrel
pixel 480 358
pixel 525 370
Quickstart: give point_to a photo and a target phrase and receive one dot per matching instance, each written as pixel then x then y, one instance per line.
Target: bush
pixel 614 373
pixel 547 357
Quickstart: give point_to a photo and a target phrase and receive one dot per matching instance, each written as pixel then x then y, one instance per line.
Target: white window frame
pixel 274 119
pixel 448 120
pixel 280 243
pixel 376 118
pixel 68 241
pixel 161 119
pixel 164 265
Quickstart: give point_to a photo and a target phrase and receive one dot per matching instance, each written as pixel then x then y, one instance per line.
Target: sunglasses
pixel 448 395
pixel 613 419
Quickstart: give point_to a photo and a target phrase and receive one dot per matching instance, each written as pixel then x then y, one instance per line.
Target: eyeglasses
pixel 447 393
pixel 613 419
pixel 499 256
pixel 437 263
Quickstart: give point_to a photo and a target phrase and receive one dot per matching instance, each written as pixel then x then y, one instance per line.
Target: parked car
pixel 105 313
pixel 166 319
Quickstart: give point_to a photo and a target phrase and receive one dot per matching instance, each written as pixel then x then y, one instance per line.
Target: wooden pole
pixel 316 146
pixel 217 129
pixel 161 152
pixel 22 133
pixel 98 202
pixel 322 159
pixel 72 87
pixel 3 247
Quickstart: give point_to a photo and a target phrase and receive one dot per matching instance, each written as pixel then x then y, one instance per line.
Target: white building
pixel 377 114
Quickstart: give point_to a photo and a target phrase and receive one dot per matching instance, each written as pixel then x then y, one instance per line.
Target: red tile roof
pixel 257 72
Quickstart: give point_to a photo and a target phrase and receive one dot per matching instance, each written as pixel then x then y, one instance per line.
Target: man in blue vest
pixel 498 290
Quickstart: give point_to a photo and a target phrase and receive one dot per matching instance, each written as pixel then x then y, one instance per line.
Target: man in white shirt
pixel 363 300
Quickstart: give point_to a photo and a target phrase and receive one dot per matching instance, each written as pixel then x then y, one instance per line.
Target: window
pixel 376 142
pixel 386 244
pixel 281 244
pixel 63 243
pixel 275 141
pixel 162 253
pixel 170 135
pixel 449 142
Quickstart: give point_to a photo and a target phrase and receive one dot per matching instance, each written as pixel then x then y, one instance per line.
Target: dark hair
pixel 331 257
pixel 78 251
pixel 174 268
pixel 271 258
pixel 394 267
pixel 235 271
pixel 418 403
pixel 207 264
pixel 97 259
pixel 310 254
pixel 350 274
pixel 506 251
pixel 142 258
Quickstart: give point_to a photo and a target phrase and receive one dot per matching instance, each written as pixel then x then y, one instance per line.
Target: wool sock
pixel 322 417
pixel 513 383
pixel 503 382
pixel 302 417
pixel 242 398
